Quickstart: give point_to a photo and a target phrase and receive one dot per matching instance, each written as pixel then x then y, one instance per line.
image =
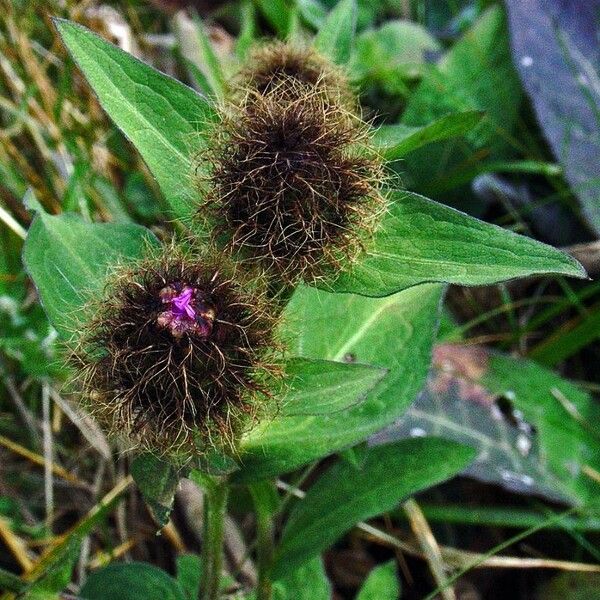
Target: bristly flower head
pixel 294 181
pixel 179 354
pixel 270 65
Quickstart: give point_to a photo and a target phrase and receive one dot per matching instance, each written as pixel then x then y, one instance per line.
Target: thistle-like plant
pixel 284 175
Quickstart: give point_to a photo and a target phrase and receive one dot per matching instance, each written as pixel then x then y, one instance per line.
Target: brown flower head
pixel 294 181
pixel 270 65
pixel 179 353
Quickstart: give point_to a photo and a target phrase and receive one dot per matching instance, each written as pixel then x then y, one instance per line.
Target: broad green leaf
pixel 395 333
pixel 161 117
pixel 381 584
pixel 313 389
pixel 317 391
pixel 420 240
pixel 395 141
pixel 322 387
pixel 68 260
pixel 453 407
pixel 131 581
pixel 336 36
pixel 158 481
pixel 565 418
pixel 307 582
pixel 345 495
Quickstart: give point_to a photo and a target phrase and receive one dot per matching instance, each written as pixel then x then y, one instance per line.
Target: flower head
pixel 288 67
pixel 179 352
pixel 294 181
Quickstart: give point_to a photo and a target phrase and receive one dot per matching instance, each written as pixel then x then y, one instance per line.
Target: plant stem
pixel 265 534
pixel 264 497
pixel 215 506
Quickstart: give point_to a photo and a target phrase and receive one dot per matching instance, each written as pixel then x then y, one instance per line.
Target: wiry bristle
pixel 294 182
pixel 179 354
pixel 272 64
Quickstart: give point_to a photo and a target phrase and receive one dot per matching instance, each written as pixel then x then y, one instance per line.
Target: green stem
pixel 215 506
pixel 265 531
pixel 264 497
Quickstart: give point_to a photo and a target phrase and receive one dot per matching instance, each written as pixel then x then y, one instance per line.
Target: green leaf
pixel 158 481
pixel 475 74
pixel 395 141
pixel 394 332
pixel 131 581
pixel 534 431
pixel 307 582
pixel 336 36
pixel 280 14
pixel 161 117
pixel 344 495
pixel 458 408
pixel 321 387
pixel 208 61
pixel 421 240
pixel 564 417
pixel 316 390
pixel 189 574
pixel 392 55
pixel 381 584
pixel 68 260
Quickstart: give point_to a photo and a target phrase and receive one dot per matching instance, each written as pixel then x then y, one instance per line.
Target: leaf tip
pixel 61 24
pixel 573 268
